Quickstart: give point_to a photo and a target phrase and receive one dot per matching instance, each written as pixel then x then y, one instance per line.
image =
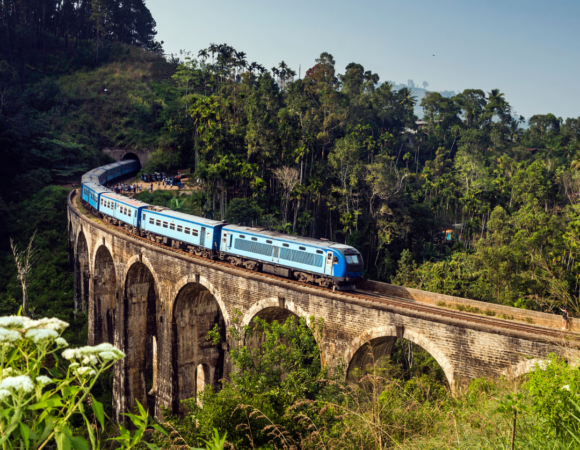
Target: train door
pixel 224 246
pixel 328 265
pixel 276 254
pixel 202 237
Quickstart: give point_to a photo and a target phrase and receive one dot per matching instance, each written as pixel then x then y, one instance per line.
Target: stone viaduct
pixel 157 305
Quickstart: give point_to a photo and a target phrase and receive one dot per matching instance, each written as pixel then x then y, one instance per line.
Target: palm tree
pixel 203 54
pixel 408 100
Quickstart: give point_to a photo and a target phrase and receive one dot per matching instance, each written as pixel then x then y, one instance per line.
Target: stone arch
pixel 205 282
pixel 382 340
pixel 141 258
pixel 273 302
pixel 82 272
pixel 105 295
pixel 141 339
pixel 523 367
pixel 195 312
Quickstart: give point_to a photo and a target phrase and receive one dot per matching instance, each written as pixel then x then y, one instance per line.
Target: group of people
pixel 127 188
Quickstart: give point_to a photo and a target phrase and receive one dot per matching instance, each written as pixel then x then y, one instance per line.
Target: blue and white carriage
pixel 197 235
pixel 90 193
pixel 308 260
pixel 118 208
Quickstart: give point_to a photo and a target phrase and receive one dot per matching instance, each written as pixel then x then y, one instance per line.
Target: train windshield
pixel 352 259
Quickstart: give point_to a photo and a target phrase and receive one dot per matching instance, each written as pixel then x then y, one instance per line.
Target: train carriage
pixel 197 235
pixel 121 210
pixel 91 192
pixel 129 166
pixel 113 171
pixel 100 174
pixel 89 178
pixel 308 260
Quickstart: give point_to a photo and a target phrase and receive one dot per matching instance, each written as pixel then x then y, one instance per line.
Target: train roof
pixel 110 166
pixel 126 200
pixel 188 217
pixel 285 237
pixel 90 178
pixel 97 188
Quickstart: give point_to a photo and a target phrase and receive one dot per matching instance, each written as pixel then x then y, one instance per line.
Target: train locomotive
pixel 315 261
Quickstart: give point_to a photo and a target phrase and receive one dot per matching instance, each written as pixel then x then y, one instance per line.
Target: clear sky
pixel 530 50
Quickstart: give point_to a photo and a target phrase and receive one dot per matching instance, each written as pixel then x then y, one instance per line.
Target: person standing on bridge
pixel 565 318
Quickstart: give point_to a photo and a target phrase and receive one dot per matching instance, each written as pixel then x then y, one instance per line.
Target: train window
pixel 268 242
pixel 301 248
pixel 172 226
pixel 158 223
pixel 195 232
pixel 144 217
pixel 254 239
pixel 351 259
pixel 179 229
pixel 187 230
pixel 164 224
pixel 242 236
pixel 129 212
pixel 329 255
pixel 320 252
pixel 151 221
pixel 285 245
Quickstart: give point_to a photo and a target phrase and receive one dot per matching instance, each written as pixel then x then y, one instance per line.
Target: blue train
pixel 314 261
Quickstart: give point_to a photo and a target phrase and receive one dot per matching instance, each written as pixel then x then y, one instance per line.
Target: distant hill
pixel 420 93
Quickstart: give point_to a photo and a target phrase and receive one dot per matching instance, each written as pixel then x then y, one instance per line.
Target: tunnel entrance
pixel 141 340
pixel 132 156
pixel 197 361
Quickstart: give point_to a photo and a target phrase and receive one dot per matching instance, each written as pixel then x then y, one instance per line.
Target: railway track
pixel 374 297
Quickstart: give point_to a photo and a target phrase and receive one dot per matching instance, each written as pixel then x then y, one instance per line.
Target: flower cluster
pixel 13 328
pixel 88 354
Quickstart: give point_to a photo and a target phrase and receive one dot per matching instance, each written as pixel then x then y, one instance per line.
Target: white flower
pixel 8 371
pixel 70 353
pixel 12 321
pixel 43 380
pixel 87 353
pixel 90 360
pixel 20 383
pixel 51 324
pixel 4 393
pixel 7 336
pixel 86 371
pixel 39 335
pixel 61 342
pixel 567 387
pixel 106 356
pixel 105 347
